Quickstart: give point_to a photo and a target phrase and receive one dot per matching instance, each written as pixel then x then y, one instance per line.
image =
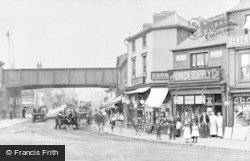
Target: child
pixel 186 134
pixel 195 132
pixel 158 129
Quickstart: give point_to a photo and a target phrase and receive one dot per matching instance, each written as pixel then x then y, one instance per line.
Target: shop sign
pixel 238 40
pixel 216 54
pixel 189 100
pixel 178 100
pixel 195 74
pixel 182 57
pixel 200 99
pixel 212 27
pixel 160 75
pixel 228 133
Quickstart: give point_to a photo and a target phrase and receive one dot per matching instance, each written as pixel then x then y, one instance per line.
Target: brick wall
pixel 212 61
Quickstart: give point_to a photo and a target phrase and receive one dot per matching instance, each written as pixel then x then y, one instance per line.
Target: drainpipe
pixel 228 104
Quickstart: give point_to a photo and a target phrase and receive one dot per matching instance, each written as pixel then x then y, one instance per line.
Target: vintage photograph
pixel 125 80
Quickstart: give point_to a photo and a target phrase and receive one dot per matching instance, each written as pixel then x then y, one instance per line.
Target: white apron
pixel 213 125
pixel 219 125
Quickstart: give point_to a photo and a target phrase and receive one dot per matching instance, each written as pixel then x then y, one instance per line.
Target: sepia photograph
pixel 124 80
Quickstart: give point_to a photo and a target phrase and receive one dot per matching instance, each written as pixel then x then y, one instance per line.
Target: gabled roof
pixel 172 21
pixel 243 5
pixel 201 42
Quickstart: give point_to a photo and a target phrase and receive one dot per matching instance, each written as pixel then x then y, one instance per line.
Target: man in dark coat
pixel 23 112
pixel 172 128
pixel 100 122
pixel 204 120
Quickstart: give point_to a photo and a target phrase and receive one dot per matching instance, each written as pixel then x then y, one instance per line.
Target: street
pixel 87 144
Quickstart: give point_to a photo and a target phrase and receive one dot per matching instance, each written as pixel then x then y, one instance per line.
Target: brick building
pixel 239 63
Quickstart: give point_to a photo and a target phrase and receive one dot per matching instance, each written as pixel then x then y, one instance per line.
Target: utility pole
pixel 10 51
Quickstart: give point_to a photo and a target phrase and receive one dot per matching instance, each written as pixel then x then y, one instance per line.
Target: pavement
pixel 202 142
pixel 5 123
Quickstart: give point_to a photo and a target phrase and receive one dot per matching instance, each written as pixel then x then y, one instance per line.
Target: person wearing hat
pixel 172 128
pixel 204 120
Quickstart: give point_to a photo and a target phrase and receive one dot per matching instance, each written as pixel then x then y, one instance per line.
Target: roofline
pixel 149 29
pixel 173 50
pixel 232 11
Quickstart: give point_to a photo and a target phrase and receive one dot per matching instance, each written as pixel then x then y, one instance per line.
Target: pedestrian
pixel 4 113
pixel 220 125
pixel 204 120
pixel 112 121
pixel 195 132
pixel 23 112
pixel 95 115
pixel 213 125
pixel 101 122
pixel 158 129
pixel 186 133
pixel 11 113
pixel 178 126
pixel 172 128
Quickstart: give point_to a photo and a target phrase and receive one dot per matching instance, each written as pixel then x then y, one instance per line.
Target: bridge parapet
pixel 60 77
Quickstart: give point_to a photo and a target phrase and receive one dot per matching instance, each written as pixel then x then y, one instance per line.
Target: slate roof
pixel 201 42
pixel 172 21
pixel 244 4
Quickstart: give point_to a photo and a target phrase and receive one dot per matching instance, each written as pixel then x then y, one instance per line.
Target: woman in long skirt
pixel 187 132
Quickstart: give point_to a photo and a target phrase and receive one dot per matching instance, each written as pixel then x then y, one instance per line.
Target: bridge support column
pixel 12 102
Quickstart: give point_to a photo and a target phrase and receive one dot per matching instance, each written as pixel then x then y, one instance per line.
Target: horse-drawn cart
pixel 40 113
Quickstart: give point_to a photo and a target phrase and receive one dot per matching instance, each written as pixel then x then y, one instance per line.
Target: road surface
pixel 87 144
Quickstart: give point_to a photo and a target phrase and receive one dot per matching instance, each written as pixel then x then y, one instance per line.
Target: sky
pixel 84 33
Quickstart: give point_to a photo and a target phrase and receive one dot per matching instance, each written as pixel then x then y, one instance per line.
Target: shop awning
pixel 139 90
pixel 156 97
pixel 111 102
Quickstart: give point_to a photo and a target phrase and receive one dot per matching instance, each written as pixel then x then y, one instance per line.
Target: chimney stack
pixel 162 15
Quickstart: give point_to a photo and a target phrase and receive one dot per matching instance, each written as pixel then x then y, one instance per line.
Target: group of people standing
pixel 190 126
pixel 210 126
pixel 4 112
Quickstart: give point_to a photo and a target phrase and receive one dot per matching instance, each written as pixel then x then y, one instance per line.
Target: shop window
pixel 199 60
pixel 144 41
pixel 242 111
pixel 133 69
pixel 133 46
pixel 245 66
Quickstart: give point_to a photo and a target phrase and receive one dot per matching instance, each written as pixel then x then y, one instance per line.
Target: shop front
pixel 147 104
pixel 195 91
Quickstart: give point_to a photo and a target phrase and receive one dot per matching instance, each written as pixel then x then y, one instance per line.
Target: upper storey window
pixel 199 60
pixel 133 46
pixel 245 66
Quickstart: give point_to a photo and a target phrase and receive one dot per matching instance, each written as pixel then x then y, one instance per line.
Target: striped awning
pixel 111 102
pixel 139 90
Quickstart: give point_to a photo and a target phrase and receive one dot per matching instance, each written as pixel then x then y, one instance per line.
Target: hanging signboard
pixel 238 41
pixel 189 100
pixel 160 75
pixel 200 74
